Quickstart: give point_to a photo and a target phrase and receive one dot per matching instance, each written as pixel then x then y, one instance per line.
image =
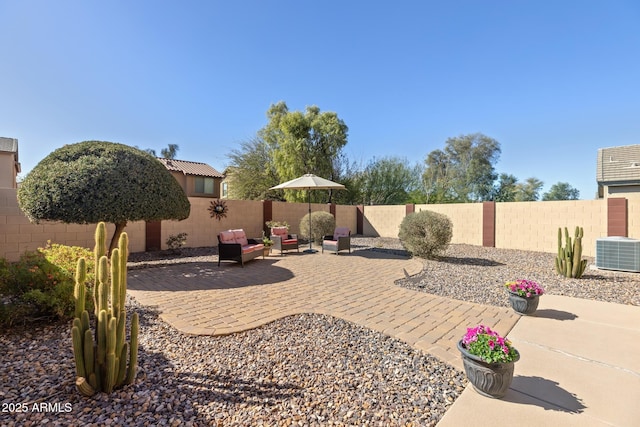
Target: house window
pixel 225 189
pixel 204 185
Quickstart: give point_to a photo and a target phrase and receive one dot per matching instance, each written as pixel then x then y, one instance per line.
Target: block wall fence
pixel 514 225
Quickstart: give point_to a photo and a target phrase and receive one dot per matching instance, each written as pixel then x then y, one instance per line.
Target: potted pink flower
pixel 488 360
pixel 524 295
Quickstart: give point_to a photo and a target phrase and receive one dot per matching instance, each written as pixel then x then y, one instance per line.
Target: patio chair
pixel 283 241
pixel 340 240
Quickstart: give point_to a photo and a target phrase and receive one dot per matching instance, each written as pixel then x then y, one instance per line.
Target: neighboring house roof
pixel 190 168
pixel 618 165
pixel 10 145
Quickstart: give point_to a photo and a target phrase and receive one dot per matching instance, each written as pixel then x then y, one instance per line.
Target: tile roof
pixel 618 164
pixel 191 168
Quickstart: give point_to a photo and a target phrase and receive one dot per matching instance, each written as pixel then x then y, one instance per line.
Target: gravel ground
pixel 477 274
pixel 301 370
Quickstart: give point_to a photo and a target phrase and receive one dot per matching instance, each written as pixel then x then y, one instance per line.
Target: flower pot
pixel 265 251
pixel 523 305
pixel 488 379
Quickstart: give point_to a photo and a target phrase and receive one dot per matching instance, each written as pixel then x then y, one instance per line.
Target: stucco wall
pixel 7 170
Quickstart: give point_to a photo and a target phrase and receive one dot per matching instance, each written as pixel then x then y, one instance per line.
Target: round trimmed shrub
pixel 425 234
pixel 322 224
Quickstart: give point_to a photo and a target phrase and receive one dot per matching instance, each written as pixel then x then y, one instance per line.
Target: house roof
pixel 190 168
pixel 9 144
pixel 618 165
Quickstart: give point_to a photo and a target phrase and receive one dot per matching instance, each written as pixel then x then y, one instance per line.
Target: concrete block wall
pixel 466 219
pixel 292 213
pixel 534 225
pixel 18 234
pixel 383 221
pixel 346 216
pixel 202 230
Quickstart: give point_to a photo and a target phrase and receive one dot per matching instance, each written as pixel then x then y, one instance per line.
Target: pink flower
pixel 492 344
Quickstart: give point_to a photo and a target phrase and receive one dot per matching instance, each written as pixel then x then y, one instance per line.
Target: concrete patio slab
pixel 578 366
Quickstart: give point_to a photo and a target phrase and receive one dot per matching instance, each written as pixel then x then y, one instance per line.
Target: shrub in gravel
pixel 322 224
pixel 40 285
pixel 425 234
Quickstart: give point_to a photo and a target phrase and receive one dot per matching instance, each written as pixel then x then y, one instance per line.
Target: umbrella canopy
pixel 309 182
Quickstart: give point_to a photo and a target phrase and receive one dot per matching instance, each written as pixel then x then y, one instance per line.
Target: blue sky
pixel 552 81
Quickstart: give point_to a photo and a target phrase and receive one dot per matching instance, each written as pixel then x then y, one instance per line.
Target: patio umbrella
pixel 309 182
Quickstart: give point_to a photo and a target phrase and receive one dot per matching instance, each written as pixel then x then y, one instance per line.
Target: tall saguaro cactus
pixel 569 262
pixel 101 357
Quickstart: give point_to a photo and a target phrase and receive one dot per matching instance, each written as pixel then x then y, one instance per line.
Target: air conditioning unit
pixel 618 253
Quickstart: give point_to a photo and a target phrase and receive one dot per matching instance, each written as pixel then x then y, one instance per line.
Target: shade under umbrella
pixel 309 182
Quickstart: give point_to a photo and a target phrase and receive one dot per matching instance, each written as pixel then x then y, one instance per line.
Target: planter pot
pixel 266 250
pixel 488 379
pixel 523 305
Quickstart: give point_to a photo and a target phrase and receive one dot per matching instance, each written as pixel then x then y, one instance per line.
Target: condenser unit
pixel 618 253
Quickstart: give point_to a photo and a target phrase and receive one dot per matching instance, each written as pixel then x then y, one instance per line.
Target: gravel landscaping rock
pixel 478 274
pixel 301 370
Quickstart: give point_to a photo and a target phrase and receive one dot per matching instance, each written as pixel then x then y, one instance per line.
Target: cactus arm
pixel 89 362
pixel 78 351
pixel 124 254
pixel 133 359
pixel 102 337
pixel 115 282
pixel 84 387
pixel 79 288
pixel 122 369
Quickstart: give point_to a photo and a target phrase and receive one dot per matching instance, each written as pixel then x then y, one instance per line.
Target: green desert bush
pixel 40 284
pixel 425 234
pixel 322 223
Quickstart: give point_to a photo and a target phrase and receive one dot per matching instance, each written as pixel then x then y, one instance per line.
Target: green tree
pixel 301 143
pixel 389 181
pixel 166 153
pixel 94 181
pixel 506 189
pixel 529 190
pixel 464 171
pixel 251 172
pixel 561 191
pixel 170 152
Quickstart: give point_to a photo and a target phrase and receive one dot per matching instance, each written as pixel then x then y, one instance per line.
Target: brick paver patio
pixel 204 299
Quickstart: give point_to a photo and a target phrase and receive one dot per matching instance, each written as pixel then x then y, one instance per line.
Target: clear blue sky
pixel 552 81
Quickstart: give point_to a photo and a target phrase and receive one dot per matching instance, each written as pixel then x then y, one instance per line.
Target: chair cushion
pixel 280 231
pixel 250 248
pixel 341 232
pixel 227 237
pixel 289 241
pixel 240 237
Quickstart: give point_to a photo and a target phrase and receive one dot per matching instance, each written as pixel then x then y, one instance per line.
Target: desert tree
pixel 93 181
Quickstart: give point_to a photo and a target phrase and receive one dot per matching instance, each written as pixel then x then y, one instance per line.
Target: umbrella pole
pixel 310 250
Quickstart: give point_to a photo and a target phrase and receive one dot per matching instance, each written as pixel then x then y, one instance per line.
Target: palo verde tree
pixel 301 143
pixel 97 181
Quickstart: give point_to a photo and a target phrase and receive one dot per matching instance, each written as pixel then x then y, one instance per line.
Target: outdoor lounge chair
pixel 282 240
pixel 233 245
pixel 340 240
